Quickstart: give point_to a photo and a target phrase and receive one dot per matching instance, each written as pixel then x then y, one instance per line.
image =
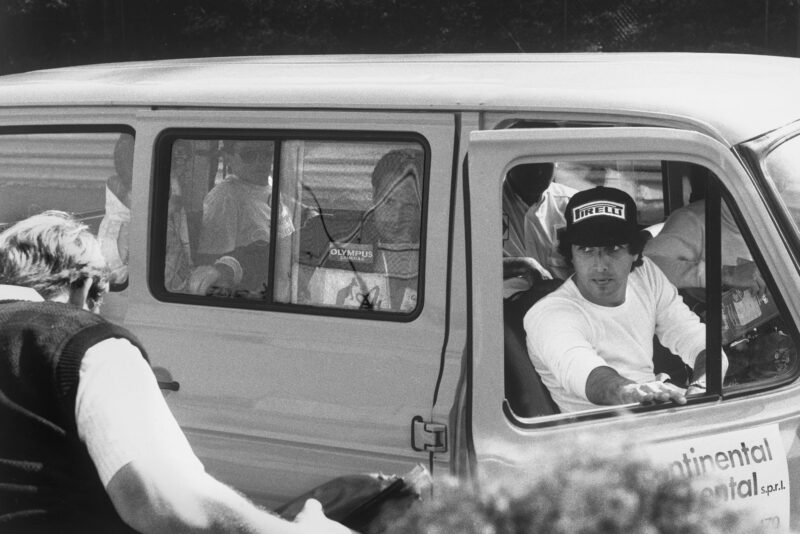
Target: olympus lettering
pixel 352 253
pixel 346 252
pixel 593 209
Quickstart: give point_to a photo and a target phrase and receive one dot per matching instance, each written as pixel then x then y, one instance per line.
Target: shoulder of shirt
pixel 648 270
pixel 561 297
pixel 116 347
pixel 695 210
pixel 560 190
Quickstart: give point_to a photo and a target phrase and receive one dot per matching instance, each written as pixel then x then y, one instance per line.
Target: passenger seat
pixel 525 393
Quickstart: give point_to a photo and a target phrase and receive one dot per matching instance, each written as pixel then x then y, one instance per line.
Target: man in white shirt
pixel 533 214
pixel 86 440
pixel 235 238
pixel 591 340
pixel 679 250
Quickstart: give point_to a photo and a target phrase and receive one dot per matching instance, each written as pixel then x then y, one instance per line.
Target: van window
pixel 782 169
pixel 219 217
pixel 88 174
pixel 358 215
pixel 670 201
pixel 343 232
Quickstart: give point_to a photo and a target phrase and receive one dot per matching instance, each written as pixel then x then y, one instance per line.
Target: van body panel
pixel 277 397
pixel 694 87
pixel 292 383
pixel 498 439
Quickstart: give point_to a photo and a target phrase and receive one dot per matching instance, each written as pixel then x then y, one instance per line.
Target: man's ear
pixel 79 293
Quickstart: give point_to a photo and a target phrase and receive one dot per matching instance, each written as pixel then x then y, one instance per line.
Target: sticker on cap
pixel 598 208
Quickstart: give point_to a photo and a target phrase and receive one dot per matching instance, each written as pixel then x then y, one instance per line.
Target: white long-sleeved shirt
pixel 533 230
pixel 568 336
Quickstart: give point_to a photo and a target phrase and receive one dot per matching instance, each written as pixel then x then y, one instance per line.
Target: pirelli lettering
pixel 600 207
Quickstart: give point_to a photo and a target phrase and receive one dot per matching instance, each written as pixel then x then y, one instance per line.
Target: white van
pixel 369 343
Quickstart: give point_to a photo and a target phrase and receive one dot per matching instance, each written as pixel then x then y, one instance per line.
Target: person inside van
pixel 87 442
pixel 113 231
pixel 591 340
pixel 679 250
pixel 378 270
pixel 234 241
pixel 533 213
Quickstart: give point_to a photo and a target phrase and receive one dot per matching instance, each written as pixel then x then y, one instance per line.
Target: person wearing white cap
pixel 591 340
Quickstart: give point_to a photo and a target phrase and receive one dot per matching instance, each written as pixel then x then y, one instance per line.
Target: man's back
pixel 48 480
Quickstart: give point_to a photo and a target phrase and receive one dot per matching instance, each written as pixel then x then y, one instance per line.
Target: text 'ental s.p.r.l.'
pixel 747 468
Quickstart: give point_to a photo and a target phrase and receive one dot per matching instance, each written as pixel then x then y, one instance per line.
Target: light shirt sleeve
pixel 121 414
pixel 677 327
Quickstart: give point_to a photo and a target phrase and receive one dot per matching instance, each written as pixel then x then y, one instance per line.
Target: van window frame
pixel 76 128
pixel 159 198
pixel 604 146
pixel 716 390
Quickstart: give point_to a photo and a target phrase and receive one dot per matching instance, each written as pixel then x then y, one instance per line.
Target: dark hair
pixel 636 247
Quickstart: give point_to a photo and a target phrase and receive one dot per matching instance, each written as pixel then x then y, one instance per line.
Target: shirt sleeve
pixel 677 327
pixel 121 413
pixel 678 249
pixel 558 338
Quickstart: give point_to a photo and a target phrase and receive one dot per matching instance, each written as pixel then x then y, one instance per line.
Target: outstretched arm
pixel 607 387
pixel 160 498
pixel 149 470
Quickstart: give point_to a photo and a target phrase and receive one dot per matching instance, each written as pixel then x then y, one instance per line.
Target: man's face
pixel 601 273
pixel 251 161
pixel 181 152
pixel 397 217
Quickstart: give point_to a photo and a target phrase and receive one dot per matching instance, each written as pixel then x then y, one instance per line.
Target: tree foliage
pixel 45 33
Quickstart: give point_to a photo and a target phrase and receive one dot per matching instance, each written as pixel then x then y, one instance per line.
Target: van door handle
pixel 165 381
pixel 169 386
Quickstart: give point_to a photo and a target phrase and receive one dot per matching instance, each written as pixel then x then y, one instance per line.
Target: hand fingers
pixel 761 286
pixel 202 278
pixel 658 391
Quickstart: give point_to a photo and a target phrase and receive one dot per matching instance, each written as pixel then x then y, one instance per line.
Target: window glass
pixel 86 174
pixel 357 210
pixel 754 334
pixel 219 218
pixel 640 179
pixel 667 293
pixel 538 378
pixel 782 167
pixel 347 228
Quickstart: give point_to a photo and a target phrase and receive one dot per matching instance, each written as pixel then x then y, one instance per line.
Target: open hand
pixel 655 391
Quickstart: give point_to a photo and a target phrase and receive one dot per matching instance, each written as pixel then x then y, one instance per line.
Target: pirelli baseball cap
pixel 601 217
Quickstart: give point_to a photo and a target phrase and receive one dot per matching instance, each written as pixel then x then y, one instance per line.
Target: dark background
pixel 48 33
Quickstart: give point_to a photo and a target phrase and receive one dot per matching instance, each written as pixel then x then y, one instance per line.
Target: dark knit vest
pixel 48 482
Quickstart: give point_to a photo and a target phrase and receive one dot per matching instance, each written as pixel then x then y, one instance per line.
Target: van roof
pixel 735 97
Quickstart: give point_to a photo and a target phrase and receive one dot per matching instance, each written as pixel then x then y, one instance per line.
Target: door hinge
pixel 428 436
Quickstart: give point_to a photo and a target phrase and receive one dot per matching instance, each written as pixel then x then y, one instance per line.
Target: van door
pixel 742 405
pixel 313 363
